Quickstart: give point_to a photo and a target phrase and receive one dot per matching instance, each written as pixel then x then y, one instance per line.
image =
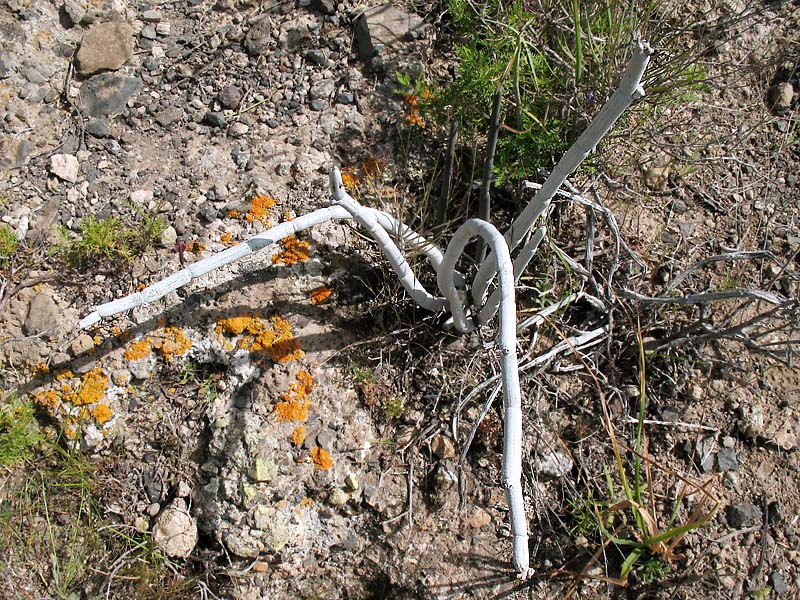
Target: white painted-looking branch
pixel 386 231
pixel 629 89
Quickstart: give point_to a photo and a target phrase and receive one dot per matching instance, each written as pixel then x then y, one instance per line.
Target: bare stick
pixel 447 181
pixel 485 201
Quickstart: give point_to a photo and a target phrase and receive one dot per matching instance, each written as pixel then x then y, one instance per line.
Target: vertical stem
pixel 447 181
pixel 485 202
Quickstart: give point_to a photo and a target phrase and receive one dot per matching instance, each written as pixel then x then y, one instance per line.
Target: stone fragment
pixel 744 514
pixel 105 47
pixel 781 96
pixel 322 89
pixel 148 33
pixel 263 470
pixel 656 177
pixel 215 119
pixel 97 127
pixel 338 497
pixel 382 26
pixel 326 7
pixel 151 16
pixel 230 96
pixel 106 94
pixel 727 460
pixel 175 530
pixel 168 237
pixel 479 518
pixel 73 12
pixel 238 129
pixel 141 197
pixel 259 36
pixel 163 29
pixel 42 315
pixel 553 464
pixel 65 167
pixel 82 344
pixel 351 482
pixel 169 116
pixel 241 543
pixel 704 454
pixel 443 447
pixel 778 584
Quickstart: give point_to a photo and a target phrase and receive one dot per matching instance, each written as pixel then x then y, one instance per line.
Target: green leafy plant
pixel 19 432
pixel 8 243
pixel 109 240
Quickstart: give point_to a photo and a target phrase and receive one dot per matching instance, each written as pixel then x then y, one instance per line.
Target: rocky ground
pixel 281 428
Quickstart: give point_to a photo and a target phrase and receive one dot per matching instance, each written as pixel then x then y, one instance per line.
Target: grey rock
pixel 325 439
pixel 316 57
pixel 221 191
pixel 345 98
pixel 4 71
pixel 704 454
pixel 148 33
pixel 317 105
pixel 679 207
pixel 106 94
pixel 553 464
pixel 97 127
pixel 168 237
pixel 169 116
pixel 327 7
pixel 33 75
pixel 777 583
pixel 743 515
pixel 65 167
pixel 230 96
pixel 175 530
pixel 32 93
pixel 105 47
pixel 781 96
pixel 383 25
pixel 74 11
pixel 258 37
pixel 42 315
pixel 239 129
pixel 164 29
pixel 241 543
pixel 322 89
pixel 151 16
pixel 727 460
pixel 82 344
pixel 215 119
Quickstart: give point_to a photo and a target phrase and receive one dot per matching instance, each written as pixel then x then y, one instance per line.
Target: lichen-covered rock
pixel 175 530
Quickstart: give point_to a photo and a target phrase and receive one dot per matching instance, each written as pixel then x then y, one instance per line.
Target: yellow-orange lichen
pixel 295 404
pixel 138 350
pixel 259 210
pixel 39 369
pixel 48 401
pixel 173 343
pixel 275 337
pixel 321 458
pixel 294 251
pixel 93 387
pixel 101 413
pixel 320 294
pixel 234 214
pixel 226 237
pixel 299 435
pixel 351 181
pixel 195 247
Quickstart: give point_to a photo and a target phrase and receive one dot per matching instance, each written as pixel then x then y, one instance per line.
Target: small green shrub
pixel 108 240
pixel 19 432
pixel 8 243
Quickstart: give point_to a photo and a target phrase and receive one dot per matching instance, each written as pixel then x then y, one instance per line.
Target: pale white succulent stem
pixel 507 342
pixel 629 89
pixel 256 243
pixel 400 265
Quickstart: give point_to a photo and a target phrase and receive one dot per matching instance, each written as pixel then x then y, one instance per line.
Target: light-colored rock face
pixel 175 530
pixel 383 26
pixel 105 47
pixel 65 167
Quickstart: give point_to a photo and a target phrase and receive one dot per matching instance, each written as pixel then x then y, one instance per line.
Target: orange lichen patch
pixel 97 340
pixel 295 404
pixel 259 210
pixel 93 387
pixel 413 116
pixel 39 369
pixel 288 216
pixel 299 435
pixel 65 374
pixel 294 251
pixel 101 413
pixel 351 181
pixel 306 502
pixel 321 459
pixel 48 401
pixel 140 287
pixel 274 337
pixel 320 294
pixel 138 350
pixel 173 343
pixel 195 247
pixel 226 237
pixel 234 214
